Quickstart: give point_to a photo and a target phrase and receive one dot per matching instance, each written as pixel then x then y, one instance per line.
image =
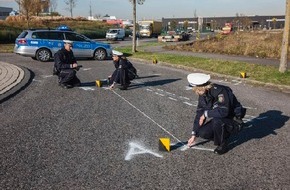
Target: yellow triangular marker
pixel 164 144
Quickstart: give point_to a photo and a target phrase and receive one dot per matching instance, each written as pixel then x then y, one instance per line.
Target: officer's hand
pixel 74 65
pixel 201 120
pixel 191 141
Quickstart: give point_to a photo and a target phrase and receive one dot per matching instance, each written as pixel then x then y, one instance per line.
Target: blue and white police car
pixel 42 44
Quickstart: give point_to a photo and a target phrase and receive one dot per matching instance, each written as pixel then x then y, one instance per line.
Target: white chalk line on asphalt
pixel 147 117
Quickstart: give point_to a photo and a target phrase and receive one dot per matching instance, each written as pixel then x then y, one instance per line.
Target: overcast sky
pixel 156 9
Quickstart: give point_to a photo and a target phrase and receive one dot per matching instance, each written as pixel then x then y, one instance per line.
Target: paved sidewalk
pixel 12 79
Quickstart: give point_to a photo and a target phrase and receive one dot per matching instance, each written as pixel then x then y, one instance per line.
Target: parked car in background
pixel 115 34
pixel 43 44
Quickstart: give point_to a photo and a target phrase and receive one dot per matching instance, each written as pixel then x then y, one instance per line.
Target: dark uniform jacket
pixel 120 75
pixel 63 59
pixel 218 102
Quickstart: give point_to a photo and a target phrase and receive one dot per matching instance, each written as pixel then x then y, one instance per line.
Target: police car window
pixel 23 34
pixel 74 37
pixel 40 35
pixel 55 36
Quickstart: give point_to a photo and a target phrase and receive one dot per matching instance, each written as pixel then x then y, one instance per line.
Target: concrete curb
pixel 14 82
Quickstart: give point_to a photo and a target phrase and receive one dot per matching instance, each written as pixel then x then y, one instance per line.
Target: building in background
pixel 4 12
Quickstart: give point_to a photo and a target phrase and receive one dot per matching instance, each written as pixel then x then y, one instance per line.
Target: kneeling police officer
pixel 65 66
pixel 217 112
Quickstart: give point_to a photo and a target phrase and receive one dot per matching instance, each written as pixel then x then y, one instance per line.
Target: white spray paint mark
pixel 87 88
pixel 136 149
pixel 35 80
pixel 185 147
pixel 46 76
pixel 159 94
pixel 86 69
pixel 251 108
pixel 187 103
pixel 149 90
pixel 160 89
pixel 188 88
pixel 172 99
pixel 147 117
pixel 182 97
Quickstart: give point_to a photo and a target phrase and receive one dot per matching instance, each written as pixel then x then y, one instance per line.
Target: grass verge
pixel 261 73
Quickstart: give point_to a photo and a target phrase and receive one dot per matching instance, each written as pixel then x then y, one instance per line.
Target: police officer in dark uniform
pixel 66 65
pixel 121 74
pixel 217 112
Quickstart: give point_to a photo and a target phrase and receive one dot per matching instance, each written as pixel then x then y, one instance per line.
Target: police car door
pixel 81 45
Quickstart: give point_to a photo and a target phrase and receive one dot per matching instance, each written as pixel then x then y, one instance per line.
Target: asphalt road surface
pixel 94 138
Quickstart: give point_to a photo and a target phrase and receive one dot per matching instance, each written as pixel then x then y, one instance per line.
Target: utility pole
pixel 285 41
pixel 134 27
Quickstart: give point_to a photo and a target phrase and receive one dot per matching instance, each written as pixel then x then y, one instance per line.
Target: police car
pixel 42 44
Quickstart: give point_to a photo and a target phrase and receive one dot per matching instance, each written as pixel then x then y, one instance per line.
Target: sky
pixel 158 9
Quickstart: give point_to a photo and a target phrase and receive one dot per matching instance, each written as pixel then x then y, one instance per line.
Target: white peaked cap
pixel 197 79
pixel 117 53
pixel 68 41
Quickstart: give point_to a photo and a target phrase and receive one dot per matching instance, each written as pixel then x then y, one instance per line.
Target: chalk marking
pixel 149 90
pixel 86 69
pixel 147 117
pixel 46 76
pixel 187 103
pixel 159 94
pixel 185 147
pixel 35 80
pixel 172 99
pixel 87 88
pixel 136 149
pixel 182 97
pixel 188 88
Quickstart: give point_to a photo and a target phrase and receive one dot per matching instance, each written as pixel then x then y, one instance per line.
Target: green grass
pixel 265 74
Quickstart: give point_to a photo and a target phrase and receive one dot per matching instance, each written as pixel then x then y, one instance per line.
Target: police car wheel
pixel 43 55
pixel 100 54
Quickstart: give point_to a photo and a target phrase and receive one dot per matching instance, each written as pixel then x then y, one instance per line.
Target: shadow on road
pixel 263 125
pixel 153 83
pixel 86 84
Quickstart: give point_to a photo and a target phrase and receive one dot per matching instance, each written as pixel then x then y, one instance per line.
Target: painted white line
pixel 187 103
pixel 172 99
pixel 148 117
pixel 136 149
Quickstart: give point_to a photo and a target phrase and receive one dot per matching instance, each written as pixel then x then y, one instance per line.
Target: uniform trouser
pixel 68 76
pixel 216 130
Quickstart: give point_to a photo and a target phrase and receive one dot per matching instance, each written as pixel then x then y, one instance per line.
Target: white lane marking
pixel 187 103
pixel 136 149
pixel 87 88
pixel 148 117
pixel 172 99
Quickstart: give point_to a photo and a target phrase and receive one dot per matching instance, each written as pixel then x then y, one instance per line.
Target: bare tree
pixel 285 42
pixel 71 4
pixel 140 2
pixel 53 5
pixel 19 5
